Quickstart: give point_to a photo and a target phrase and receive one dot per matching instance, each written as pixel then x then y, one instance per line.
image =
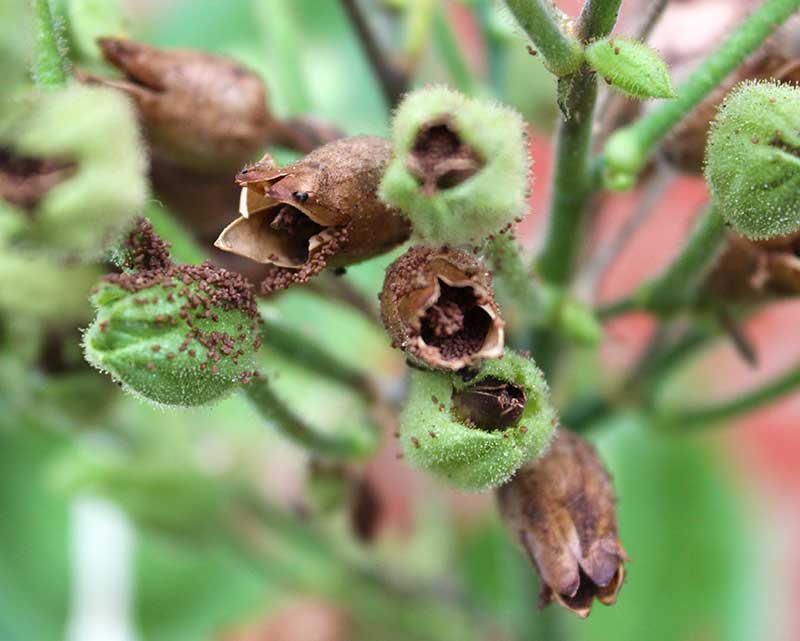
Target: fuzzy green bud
pixel 175 335
pixel 630 67
pixel 753 159
pixel 476 433
pixel 460 167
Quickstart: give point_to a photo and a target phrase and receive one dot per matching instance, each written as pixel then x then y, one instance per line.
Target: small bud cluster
pixel 174 334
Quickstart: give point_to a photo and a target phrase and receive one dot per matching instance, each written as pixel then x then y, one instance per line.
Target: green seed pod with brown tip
pixel 476 433
pixel 460 167
pixel 753 159
pixel 439 308
pixel 178 335
pixel 318 212
pixel 561 509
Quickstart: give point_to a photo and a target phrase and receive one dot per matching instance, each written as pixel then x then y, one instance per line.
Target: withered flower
pixel 439 307
pixel 321 211
pixel 25 180
pixel 561 509
pixel 197 110
pixel 756 270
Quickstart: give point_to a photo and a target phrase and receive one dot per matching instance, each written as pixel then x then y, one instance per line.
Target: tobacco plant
pixel 121 164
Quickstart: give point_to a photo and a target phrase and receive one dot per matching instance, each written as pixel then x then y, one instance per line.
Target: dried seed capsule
pixel 438 306
pixel 460 170
pixel 475 433
pixel 685 146
pixel 320 211
pixel 173 334
pixel 753 159
pixel 561 509
pixel 198 110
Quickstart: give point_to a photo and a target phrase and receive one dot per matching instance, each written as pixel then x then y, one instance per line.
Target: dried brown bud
pixel 318 212
pixel 492 404
pixel 198 110
pixel 561 509
pixel 24 181
pixel 751 271
pixel 685 146
pixel 438 306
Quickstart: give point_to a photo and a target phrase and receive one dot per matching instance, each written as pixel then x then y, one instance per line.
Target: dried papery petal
pixel 197 109
pixel 439 307
pixel 24 180
pixel 322 211
pixel 561 508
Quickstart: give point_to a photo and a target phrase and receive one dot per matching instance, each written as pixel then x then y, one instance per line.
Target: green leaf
pixel 631 67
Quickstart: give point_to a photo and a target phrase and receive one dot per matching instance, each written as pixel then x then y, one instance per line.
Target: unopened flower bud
pixel 752 165
pixel 174 334
pixel 460 167
pixel 197 110
pixel 561 509
pixel 476 433
pixel 318 212
pixel 439 308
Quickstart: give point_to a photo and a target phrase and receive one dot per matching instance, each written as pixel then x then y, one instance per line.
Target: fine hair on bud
pixel 561 509
pixel 321 211
pixel 753 159
pixel 475 431
pixel 460 167
pixel 178 335
pixel 438 306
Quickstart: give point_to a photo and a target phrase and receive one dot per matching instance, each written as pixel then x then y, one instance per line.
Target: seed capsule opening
pixel 25 180
pixel 492 404
pixel 440 159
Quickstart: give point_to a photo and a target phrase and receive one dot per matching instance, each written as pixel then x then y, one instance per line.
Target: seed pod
pixel 438 306
pixel 173 334
pixel 561 509
pixel 752 161
pixel 475 433
pixel 320 211
pixel 685 146
pixel 197 110
pixel 460 168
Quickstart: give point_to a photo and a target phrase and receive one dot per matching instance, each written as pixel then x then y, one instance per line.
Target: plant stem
pixel 674 288
pixel 784 384
pixel 393 80
pixel 628 149
pixel 562 53
pixel 571 184
pixel 451 55
pixel 50 67
pixel 510 269
pixel 598 18
pixel 275 411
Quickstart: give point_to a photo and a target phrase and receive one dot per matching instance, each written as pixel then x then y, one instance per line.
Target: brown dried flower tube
pixel 25 180
pixel 197 110
pixel 438 306
pixel 321 211
pixel 561 508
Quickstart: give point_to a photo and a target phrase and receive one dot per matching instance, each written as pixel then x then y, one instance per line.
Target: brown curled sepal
pixel 321 211
pixel 561 508
pixel 438 306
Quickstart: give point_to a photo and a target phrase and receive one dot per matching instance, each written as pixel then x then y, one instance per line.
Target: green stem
pixel 571 183
pixel 275 411
pixel 451 55
pixel 50 67
pixel 674 288
pixel 784 384
pixel 598 18
pixel 509 268
pixel 562 53
pixel 628 150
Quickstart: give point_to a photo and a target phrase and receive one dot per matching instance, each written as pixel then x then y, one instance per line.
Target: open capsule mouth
pixel 459 326
pixel 24 180
pixel 491 404
pixel 440 159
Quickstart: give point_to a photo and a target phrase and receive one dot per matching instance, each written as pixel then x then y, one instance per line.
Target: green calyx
pixel 438 432
pixel 630 67
pixel 460 167
pixel 753 159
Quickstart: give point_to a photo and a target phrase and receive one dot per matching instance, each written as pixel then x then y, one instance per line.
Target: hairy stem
pixel 683 419
pixel 544 24
pixel 628 150
pixel 451 55
pixel 49 67
pixel 598 18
